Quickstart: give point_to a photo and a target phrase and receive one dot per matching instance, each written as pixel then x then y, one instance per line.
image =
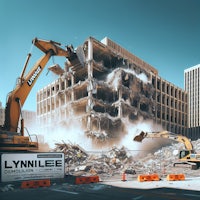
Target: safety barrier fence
pixel 175 177
pixel 86 179
pixel 96 179
pixel 148 177
pixel 35 183
pixel 155 177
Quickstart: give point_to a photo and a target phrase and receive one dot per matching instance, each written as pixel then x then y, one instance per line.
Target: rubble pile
pixel 118 160
pixel 157 161
pixel 162 160
pixel 196 145
pixel 80 162
pixel 73 153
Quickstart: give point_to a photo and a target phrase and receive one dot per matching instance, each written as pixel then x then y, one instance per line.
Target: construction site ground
pixel 107 188
pixel 111 166
pixel 190 183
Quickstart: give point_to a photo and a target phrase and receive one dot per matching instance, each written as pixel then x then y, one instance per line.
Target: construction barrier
pixel 86 179
pixel 148 177
pixel 123 178
pixel 175 177
pixel 35 183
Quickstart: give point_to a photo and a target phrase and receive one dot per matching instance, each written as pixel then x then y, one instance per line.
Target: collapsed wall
pixel 103 85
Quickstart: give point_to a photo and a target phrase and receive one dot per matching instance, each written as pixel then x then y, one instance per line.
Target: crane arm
pixel 18 96
pixel 165 134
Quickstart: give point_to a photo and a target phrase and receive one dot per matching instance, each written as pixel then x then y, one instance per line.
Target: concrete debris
pixel 196 145
pixel 80 162
pixel 102 136
pixel 162 160
pixel 120 160
pixel 73 153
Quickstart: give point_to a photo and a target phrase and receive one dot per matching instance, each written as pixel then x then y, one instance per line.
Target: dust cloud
pixel 114 77
pixel 147 145
pixel 74 134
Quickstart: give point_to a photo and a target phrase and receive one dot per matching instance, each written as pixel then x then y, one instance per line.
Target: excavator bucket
pixel 140 137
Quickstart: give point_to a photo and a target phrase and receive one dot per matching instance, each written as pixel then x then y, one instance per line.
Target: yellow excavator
pixel 186 156
pixel 11 138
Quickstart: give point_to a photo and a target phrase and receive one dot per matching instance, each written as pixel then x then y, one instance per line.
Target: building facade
pixel 192 87
pixel 107 85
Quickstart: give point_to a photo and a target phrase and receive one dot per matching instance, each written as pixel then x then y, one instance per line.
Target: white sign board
pixel 31 166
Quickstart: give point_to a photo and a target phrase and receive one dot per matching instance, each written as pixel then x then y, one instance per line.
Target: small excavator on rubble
pixel 186 156
pixel 11 138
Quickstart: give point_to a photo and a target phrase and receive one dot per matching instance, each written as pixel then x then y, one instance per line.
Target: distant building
pixel 105 85
pixel 192 87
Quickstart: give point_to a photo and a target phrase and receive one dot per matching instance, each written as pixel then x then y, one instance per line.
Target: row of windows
pixel 172 103
pixel 176 117
pixel 168 89
pixel 53 89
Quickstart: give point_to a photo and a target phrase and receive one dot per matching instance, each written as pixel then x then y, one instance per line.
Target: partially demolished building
pixel 105 86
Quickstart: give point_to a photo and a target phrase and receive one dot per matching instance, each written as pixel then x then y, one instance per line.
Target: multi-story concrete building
pixel 192 86
pixel 107 86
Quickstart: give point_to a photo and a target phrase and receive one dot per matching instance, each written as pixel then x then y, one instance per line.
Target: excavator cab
pixel 184 154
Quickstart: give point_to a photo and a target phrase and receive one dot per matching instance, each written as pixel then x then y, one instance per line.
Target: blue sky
pixel 165 34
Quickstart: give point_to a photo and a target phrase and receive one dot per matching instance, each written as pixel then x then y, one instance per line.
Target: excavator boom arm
pixel 18 96
pixel 167 135
pixel 46 46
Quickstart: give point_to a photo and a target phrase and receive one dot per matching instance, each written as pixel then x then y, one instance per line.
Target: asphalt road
pixel 97 191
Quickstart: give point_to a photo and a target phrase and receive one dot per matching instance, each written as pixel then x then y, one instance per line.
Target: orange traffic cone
pixel 123 176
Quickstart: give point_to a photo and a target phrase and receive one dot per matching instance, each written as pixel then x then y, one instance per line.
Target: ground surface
pixel 110 189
